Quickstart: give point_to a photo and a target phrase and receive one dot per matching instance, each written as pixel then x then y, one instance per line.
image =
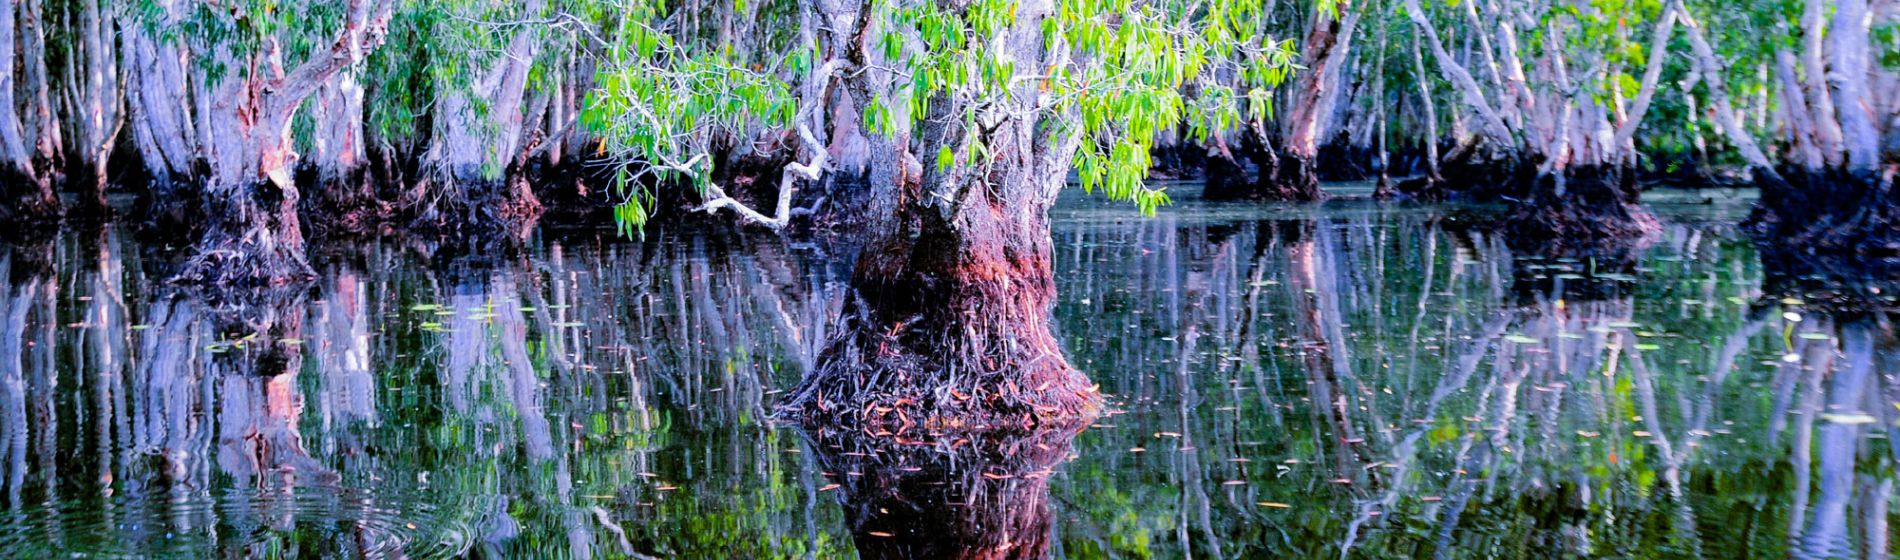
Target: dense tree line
pixel 942 131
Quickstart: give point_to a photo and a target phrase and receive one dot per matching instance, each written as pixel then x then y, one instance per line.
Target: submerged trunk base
pixel 254 240
pixel 1476 173
pixel 1279 177
pixel 974 357
pixel 506 206
pixel 1596 215
pixel 1341 160
pixel 1831 215
pixel 343 202
pixel 26 202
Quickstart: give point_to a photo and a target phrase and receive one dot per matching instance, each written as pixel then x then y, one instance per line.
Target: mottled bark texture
pixel 253 235
pixel 949 326
pixel 1286 172
pixel 334 168
pixel 26 192
pixel 92 99
pixel 470 177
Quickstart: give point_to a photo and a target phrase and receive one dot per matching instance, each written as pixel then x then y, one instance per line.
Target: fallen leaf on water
pixel 1848 418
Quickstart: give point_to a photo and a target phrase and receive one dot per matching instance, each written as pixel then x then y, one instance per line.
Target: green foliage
pixel 1118 74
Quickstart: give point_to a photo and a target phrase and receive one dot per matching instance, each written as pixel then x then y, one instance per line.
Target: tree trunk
pixel 949 327
pixel 1487 165
pixel 1849 61
pixel 1827 130
pixel 1328 46
pixel 336 167
pixel 94 101
pixel 471 178
pixel 253 236
pixel 26 194
pixel 161 109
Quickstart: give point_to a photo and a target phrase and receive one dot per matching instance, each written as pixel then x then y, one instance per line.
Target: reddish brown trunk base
pixel 1597 215
pixel 1831 215
pixel 1279 177
pixel 985 497
pixel 949 329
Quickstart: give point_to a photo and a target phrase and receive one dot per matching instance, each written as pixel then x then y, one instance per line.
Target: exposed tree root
pixel 908 359
pixel 342 202
pixel 962 496
pixel 1476 171
pixel 506 207
pixel 253 240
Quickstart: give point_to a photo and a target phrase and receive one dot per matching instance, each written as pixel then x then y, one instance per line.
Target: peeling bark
pixel 26 193
pixel 253 236
pixel 949 326
pixel 470 177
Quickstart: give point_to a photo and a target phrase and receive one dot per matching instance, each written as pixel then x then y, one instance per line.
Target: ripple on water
pixel 316 523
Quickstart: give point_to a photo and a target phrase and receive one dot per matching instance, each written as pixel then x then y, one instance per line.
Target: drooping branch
pixel 781 216
pixel 717 198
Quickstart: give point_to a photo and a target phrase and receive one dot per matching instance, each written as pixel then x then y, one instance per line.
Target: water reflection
pixel 1349 380
pixel 979 495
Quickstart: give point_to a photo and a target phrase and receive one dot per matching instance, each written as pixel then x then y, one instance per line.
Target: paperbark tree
pixel 242 120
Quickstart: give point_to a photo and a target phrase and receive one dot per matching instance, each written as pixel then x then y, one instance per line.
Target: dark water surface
pixel 1314 381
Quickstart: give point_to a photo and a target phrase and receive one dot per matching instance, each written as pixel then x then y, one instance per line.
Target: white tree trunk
pixel 1849 62
pixel 1473 94
pixel 1624 144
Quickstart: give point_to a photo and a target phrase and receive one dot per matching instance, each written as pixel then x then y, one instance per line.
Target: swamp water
pixel 1286 382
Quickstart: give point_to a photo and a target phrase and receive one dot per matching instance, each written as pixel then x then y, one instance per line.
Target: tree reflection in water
pixel 1346 380
pixel 967 496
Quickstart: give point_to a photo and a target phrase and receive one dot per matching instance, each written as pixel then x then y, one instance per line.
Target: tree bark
pixel 1848 65
pixel 336 167
pixel 94 102
pixel 471 178
pixel 1827 130
pixel 26 194
pixel 162 112
pixel 1328 45
pixel 253 236
pixel 1624 144
pixel 949 326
